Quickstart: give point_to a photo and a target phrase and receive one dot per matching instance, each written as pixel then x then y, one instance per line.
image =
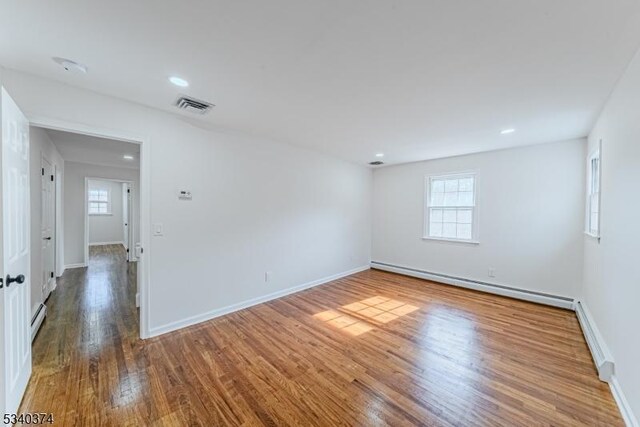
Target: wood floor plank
pixel 374 348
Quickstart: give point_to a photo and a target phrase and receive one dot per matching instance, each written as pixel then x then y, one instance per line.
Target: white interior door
pixel 47 228
pixel 15 294
pixel 125 217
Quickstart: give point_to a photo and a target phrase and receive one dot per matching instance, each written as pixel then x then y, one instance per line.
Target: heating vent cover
pixel 376 163
pixel 193 105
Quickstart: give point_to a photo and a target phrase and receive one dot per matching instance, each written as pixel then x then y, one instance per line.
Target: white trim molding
pixel 623 404
pixel 77 265
pixel 428 206
pixel 144 194
pixel 248 303
pixel 37 320
pixel 492 288
pixel 599 351
pixel 106 243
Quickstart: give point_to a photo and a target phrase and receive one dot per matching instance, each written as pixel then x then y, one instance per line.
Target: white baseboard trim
pixel 248 303
pixel 599 351
pixel 77 265
pixel 106 243
pixel 137 299
pixel 623 404
pixel 507 291
pixel 37 320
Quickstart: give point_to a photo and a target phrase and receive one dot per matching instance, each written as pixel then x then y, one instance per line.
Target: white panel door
pixel 16 247
pixel 47 228
pixel 125 217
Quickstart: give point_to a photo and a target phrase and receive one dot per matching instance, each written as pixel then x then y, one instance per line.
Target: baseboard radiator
pixel 523 294
pixel 37 320
pixel 599 352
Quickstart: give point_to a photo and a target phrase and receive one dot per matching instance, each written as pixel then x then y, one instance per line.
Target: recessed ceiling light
pixel 127 157
pixel 507 131
pixel 178 81
pixel 380 155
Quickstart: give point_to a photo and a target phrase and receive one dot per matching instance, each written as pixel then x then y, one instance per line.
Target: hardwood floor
pixel 374 348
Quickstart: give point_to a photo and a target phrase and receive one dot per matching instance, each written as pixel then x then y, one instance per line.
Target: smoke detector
pixel 70 65
pixel 193 105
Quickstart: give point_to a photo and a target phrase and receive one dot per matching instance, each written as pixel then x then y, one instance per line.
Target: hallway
pixel 91 318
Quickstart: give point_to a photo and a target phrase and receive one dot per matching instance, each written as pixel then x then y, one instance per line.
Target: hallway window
pixel 99 201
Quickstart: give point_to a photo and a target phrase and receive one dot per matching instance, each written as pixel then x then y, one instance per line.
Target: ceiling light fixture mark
pixel 70 65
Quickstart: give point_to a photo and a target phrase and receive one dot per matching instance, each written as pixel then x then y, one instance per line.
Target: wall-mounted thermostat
pixel 184 195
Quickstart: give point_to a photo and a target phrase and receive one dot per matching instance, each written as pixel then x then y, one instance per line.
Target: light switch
pixel 157 229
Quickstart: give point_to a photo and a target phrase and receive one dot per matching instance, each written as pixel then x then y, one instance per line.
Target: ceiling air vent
pixel 376 163
pixel 193 105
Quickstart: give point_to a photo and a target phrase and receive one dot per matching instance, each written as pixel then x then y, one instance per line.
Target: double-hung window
pixel 593 194
pixel 99 201
pixel 450 211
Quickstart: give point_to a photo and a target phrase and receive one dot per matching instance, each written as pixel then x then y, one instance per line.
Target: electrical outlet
pixel 267 276
pixel 492 272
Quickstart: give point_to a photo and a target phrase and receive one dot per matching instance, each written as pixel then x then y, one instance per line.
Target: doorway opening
pixel 111 215
pixel 101 236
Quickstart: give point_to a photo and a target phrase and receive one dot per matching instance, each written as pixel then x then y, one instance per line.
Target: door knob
pixel 46 238
pixel 18 279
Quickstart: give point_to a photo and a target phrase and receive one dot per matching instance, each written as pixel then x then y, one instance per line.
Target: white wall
pixel 41 145
pixel 107 228
pixel 530 207
pixel 257 205
pixel 74 197
pixel 612 267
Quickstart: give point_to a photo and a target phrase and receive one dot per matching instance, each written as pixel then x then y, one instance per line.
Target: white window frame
pixel 591 192
pixel 475 240
pixel 108 202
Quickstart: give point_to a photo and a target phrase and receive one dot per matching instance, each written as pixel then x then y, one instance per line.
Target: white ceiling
pixel 74 147
pixel 413 79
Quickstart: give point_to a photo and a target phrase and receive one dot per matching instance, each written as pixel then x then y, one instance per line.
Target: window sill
pixel 445 240
pixel 593 236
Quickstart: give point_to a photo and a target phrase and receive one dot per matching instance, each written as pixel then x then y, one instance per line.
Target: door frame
pixel 51 284
pixel 59 258
pixel 86 210
pixel 127 196
pixel 144 261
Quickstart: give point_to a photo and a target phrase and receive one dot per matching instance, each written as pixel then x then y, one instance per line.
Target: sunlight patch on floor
pixel 362 316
